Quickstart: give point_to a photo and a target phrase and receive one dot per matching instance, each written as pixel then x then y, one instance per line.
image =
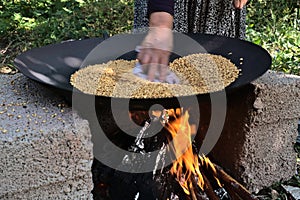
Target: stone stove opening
pixel 204 179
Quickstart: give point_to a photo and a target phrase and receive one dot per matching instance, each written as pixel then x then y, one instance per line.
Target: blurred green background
pixel 24 24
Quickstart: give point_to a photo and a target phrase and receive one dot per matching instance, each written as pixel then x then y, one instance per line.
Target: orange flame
pixel 187 162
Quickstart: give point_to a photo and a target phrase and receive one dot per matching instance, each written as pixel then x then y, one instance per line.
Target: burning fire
pixel 186 167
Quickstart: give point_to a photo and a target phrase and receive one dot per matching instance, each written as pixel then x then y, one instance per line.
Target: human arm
pixel 157 45
pixel 239 4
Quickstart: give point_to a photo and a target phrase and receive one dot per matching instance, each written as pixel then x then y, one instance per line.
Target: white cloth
pixel 171 77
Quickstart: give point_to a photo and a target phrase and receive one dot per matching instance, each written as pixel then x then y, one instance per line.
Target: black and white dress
pixel 200 16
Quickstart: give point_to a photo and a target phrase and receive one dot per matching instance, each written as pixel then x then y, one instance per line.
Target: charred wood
pixel 233 185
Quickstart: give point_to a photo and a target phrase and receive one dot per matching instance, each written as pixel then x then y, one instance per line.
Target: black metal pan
pixel 54 64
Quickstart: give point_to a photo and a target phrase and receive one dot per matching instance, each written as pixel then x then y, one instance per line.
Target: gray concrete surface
pixel 256 145
pixel 278 97
pixel 73 189
pixel 46 149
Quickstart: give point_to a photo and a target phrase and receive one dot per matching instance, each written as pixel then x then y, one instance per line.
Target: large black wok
pixel 53 64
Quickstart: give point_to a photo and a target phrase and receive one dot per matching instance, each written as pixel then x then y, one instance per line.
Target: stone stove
pixel 52 158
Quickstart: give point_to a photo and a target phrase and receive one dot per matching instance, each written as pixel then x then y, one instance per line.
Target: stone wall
pixel 46 150
pixel 256 145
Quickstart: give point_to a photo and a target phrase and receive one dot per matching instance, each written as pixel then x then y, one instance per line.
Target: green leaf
pixel 67 10
pixel 81 2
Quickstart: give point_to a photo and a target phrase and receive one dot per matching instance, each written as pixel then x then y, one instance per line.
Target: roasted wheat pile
pixel 198 73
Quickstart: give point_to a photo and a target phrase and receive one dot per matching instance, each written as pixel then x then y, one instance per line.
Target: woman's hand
pixel 157 45
pixel 239 4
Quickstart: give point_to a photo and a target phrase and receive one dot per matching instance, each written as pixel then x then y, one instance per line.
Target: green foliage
pixel 62 19
pixel 274 24
pixel 25 24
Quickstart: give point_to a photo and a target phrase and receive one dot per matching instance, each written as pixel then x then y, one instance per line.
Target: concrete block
pixel 256 145
pixel 272 158
pixel 42 142
pixel 66 190
pixel 277 97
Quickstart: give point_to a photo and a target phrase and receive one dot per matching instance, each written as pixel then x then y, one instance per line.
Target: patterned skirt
pixel 200 16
